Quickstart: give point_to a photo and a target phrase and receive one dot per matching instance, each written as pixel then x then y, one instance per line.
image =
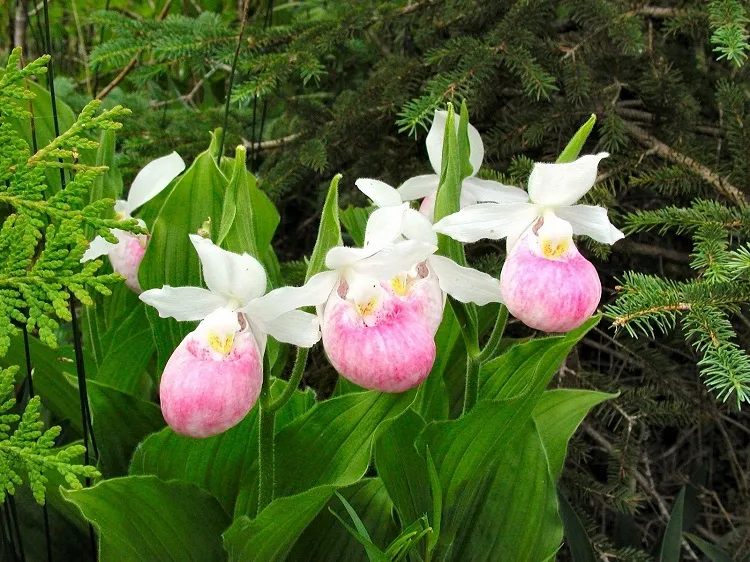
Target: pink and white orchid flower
pixel 546 283
pixel 552 188
pixel 473 189
pixel 372 338
pixel 426 285
pixel 127 254
pixel 213 378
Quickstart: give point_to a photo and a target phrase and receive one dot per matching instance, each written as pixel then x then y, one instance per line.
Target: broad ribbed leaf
pixel 557 415
pixel 144 518
pixel 329 231
pixel 271 535
pixel 574 147
pixel 326 539
pixel 329 445
pixel 216 464
pixel 576 536
pixel 671 543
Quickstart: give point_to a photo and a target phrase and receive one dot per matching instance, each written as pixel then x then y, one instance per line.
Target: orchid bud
pixel 126 257
pixel 546 283
pixel 376 340
pixel 213 378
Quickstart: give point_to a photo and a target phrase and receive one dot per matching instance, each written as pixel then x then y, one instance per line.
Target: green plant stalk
pixel 497 334
pixel 294 380
pixel 266 427
pixel 471 390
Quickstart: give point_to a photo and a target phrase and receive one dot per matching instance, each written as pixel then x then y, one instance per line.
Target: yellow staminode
pixel 220 344
pixel 367 308
pixel 399 285
pixel 553 249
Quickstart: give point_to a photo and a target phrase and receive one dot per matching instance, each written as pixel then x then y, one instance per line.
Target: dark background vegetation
pixel 350 87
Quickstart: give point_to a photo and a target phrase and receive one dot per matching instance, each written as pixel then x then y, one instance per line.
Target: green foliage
pixel 43 237
pixel 29 450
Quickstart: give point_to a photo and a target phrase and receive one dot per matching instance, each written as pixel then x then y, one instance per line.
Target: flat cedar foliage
pixel 328 87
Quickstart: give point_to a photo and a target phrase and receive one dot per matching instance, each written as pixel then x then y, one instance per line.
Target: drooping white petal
pixel 384 225
pixel 97 247
pixel 555 185
pixel 419 186
pixel 183 303
pixel 416 226
pixel 239 276
pixel 153 178
pixel 284 299
pixel 296 327
pixel 485 191
pixel 395 258
pixel 592 221
pixel 488 220
pixel 435 138
pixel 381 194
pixel 464 283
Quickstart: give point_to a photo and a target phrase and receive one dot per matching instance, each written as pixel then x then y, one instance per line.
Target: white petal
pixel 340 257
pixel 592 221
pixel 284 299
pixel 419 186
pixel 416 226
pixel 488 220
pixel 153 178
pixel 395 259
pixel 382 194
pixel 384 225
pixel 238 276
pixel 296 327
pixel 97 248
pixel 477 190
pixel 555 185
pixel 183 303
pixel 436 136
pixel 464 283
pixel 122 209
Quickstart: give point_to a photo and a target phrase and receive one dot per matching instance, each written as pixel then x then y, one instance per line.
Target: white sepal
pixel 384 225
pixel 488 220
pixel 238 276
pixel 153 178
pixel 295 327
pixel 395 259
pixel 476 190
pixel 416 226
pixel 419 187
pixel 555 185
pixel 381 194
pixel 183 303
pixel 436 136
pixel 97 248
pixel 592 221
pixel 464 283
pixel 285 299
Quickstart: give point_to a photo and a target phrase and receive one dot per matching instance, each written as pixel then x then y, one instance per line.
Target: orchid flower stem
pixel 294 379
pixel 471 391
pixel 497 334
pixel 266 428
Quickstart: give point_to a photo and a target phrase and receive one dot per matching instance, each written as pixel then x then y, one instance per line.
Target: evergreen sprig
pixel 42 239
pixel 29 450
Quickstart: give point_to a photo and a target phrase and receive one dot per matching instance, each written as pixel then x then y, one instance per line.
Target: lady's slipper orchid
pixel 473 189
pixel 371 337
pixel 213 378
pixel 425 286
pixel 546 283
pixel 127 254
pixel 553 188
pixel 228 346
